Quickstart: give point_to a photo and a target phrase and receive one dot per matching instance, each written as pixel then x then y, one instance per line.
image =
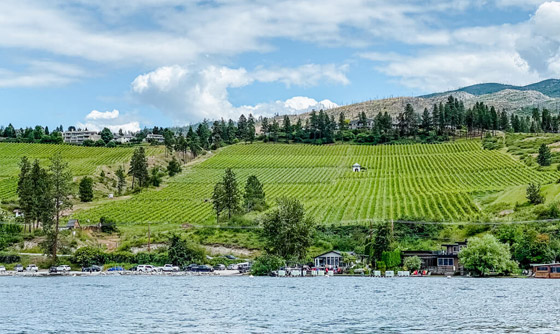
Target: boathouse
pixel 546 270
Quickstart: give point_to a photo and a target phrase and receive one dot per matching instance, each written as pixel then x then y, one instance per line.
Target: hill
pixel 422 181
pixel 82 160
pixel 544 94
pixel 550 87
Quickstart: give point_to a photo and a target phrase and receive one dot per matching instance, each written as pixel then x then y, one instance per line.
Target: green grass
pixel 423 181
pixel 82 160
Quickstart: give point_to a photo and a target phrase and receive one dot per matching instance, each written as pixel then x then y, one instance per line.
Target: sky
pixel 131 64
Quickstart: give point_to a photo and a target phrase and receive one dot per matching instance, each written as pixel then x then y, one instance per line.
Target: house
pixel 547 270
pixel 356 167
pixel 72 224
pixel 154 138
pixel 443 262
pixel 332 259
pixel 78 137
pixel 356 124
pixel 125 138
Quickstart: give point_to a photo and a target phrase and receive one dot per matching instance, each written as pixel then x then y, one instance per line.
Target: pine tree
pixel 86 189
pixel 121 180
pixel 250 135
pixel 231 192
pixel 139 168
pixel 218 199
pixel 544 158
pixel 61 181
pixel 254 194
pixel 342 122
pixel 173 168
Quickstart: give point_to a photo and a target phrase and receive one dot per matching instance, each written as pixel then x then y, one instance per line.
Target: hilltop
pixel 544 94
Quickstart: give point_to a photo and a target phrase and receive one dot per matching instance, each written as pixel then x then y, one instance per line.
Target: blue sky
pixel 136 63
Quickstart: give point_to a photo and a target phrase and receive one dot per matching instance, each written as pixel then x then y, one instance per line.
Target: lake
pixel 197 304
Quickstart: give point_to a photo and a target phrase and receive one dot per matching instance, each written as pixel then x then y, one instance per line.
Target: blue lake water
pixel 191 304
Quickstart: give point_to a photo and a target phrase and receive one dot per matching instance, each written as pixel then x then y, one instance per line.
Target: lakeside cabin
pixel 546 270
pixel 442 262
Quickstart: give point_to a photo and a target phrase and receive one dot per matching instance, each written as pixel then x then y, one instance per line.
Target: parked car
pixel 53 270
pixel 244 267
pixel 18 268
pixel 203 269
pixel 91 269
pixel 32 267
pixel 231 257
pixel 169 268
pixel 219 267
pixel 2 269
pixel 63 268
pixel 135 268
pixel 232 266
pixel 116 268
pixel 146 268
pixel 191 267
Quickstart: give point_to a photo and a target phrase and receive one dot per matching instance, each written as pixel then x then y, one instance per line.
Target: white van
pixel 146 268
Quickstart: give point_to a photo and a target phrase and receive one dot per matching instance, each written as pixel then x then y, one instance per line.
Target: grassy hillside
pixel 424 181
pixel 82 160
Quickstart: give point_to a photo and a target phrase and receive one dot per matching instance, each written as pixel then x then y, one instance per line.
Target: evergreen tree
pixel 86 189
pixel 342 126
pixel 139 168
pixel 218 199
pixel 242 127
pixel 544 158
pixel 61 181
pixel 254 194
pixel 121 180
pixel 173 168
pixel 287 127
pixel 250 135
pixel 231 192
pixel 426 121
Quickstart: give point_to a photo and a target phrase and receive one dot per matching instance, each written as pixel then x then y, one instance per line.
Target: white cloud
pixel 292 106
pixel 95 114
pixel 41 73
pixel 516 54
pixel 189 94
pixel 126 127
pixel 113 120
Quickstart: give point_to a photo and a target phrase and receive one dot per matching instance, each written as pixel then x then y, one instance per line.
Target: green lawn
pixel 418 181
pixel 82 160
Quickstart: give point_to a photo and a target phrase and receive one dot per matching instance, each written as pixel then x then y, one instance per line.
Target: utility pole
pixel 148 237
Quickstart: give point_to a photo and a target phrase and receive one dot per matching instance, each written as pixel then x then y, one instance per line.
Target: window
pixel 555 270
pixel 445 262
pixel 542 268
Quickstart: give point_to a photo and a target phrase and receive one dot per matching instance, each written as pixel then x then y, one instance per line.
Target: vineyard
pixel 82 160
pixel 421 181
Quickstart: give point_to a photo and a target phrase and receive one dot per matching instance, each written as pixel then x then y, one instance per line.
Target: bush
pixel 181 254
pixel 392 259
pixel 10 258
pixel 413 263
pixel 265 264
pixel 534 194
pixel 87 256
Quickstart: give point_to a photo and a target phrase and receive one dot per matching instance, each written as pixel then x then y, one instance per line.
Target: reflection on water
pixel 145 304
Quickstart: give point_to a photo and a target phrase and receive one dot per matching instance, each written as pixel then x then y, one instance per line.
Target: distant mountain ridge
pixel 550 87
pixel 518 99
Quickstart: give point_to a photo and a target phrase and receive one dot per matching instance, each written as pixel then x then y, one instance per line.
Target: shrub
pixel 534 194
pixel 486 254
pixel 265 264
pixel 413 263
pixel 87 256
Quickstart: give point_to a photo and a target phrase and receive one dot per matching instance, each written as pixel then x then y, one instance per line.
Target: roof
pixel 72 222
pixel 544 264
pixel 333 251
pixel 356 165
